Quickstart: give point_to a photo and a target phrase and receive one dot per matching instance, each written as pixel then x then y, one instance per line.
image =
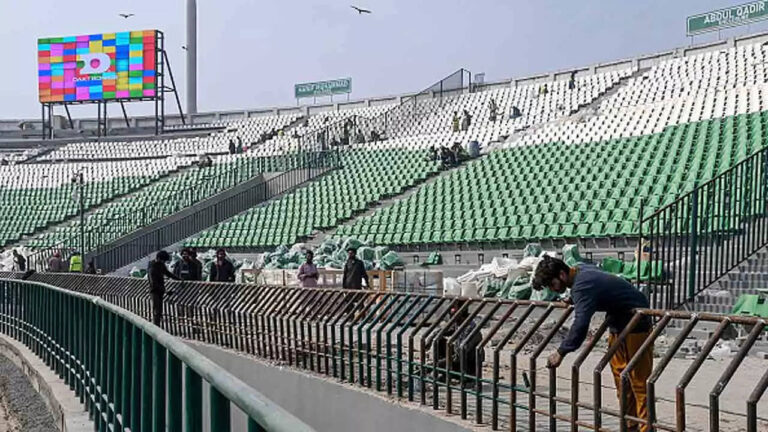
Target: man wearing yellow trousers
pixel 593 290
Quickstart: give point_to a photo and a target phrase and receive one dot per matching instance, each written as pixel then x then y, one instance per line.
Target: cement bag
pixel 544 295
pixel 520 292
pixel 532 250
pixel 351 243
pixel 138 273
pixel 380 251
pixel 334 264
pixel 571 255
pixel 491 287
pixel 500 267
pixel 470 289
pixel 300 247
pixel 326 248
pixel 366 253
pixel 391 259
pixel 451 287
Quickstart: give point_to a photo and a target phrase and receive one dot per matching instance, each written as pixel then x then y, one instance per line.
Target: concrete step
pixel 739 287
pixel 749 276
pixel 753 267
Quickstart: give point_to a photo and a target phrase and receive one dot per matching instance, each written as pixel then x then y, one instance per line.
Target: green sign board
pixel 323 88
pixel 728 17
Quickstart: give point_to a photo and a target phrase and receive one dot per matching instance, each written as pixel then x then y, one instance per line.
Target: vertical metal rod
pixel 193 401
pixel 220 412
pixel 174 414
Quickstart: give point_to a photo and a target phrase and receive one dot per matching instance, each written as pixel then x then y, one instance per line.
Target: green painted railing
pixel 128 373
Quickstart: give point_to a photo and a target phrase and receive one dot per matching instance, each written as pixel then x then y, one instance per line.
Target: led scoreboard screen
pixel 98 67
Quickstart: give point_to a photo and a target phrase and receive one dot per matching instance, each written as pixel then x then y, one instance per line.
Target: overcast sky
pixel 251 53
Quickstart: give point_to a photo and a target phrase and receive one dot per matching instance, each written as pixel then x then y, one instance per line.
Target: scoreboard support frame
pixel 162 64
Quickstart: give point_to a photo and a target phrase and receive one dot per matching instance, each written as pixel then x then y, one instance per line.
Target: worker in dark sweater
pixel 354 272
pixel 157 272
pixel 593 290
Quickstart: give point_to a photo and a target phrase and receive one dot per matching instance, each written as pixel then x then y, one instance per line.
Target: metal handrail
pixel 263 414
pixel 348 335
pixel 706 232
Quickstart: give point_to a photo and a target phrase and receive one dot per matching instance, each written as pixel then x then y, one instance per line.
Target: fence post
pixel 193 401
pixel 646 290
pixel 174 394
pixel 220 415
pixel 692 242
pixel 158 386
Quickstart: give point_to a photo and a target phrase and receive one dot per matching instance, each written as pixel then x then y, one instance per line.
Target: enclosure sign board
pixel 728 17
pixel 323 88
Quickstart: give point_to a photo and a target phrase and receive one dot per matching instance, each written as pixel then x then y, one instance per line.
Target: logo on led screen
pixel 95 63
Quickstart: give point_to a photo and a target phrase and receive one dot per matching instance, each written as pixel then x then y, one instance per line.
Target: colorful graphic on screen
pixel 109 66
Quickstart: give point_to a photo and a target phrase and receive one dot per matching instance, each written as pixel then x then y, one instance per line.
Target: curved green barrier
pixel 128 373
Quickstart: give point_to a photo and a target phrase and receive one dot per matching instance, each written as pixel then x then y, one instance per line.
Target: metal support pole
pixel 191 57
pixel 125 115
pixel 69 116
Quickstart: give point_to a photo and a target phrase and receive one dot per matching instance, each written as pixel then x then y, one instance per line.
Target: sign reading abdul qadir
pixel 728 17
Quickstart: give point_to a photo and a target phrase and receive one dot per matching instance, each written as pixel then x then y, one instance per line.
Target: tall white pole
pixel 191 56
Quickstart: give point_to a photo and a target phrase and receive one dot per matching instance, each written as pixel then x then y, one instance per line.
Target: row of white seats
pixel 35 176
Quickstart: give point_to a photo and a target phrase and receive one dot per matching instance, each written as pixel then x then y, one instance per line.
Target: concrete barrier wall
pixel 64 405
pixel 324 404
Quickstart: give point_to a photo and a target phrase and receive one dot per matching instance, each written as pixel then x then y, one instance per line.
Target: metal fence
pixel 129 374
pixel 396 121
pixel 110 253
pixel 399 343
pixel 706 233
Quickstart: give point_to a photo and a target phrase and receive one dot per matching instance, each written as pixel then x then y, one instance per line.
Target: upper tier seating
pixel 160 199
pixel 366 177
pixel 35 196
pixel 558 190
pixel 249 131
pixel 690 89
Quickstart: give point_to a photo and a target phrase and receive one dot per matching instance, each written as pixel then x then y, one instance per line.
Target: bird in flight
pixel 126 16
pixel 360 11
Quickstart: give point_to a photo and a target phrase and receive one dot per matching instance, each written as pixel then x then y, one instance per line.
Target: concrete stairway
pixel 744 279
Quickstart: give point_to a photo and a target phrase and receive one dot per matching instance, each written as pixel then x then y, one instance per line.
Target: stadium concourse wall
pixel 639 62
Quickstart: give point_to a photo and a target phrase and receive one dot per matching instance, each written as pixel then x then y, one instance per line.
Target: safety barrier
pixel 129 374
pixel 707 232
pixel 398 343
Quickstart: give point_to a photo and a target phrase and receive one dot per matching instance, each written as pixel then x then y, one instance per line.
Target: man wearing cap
pixel 354 272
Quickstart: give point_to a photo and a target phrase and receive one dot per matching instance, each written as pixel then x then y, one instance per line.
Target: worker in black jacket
pixel 157 273
pixel 354 272
pixel 222 269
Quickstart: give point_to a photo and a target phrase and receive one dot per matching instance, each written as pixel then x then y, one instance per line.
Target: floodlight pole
pixel 191 57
